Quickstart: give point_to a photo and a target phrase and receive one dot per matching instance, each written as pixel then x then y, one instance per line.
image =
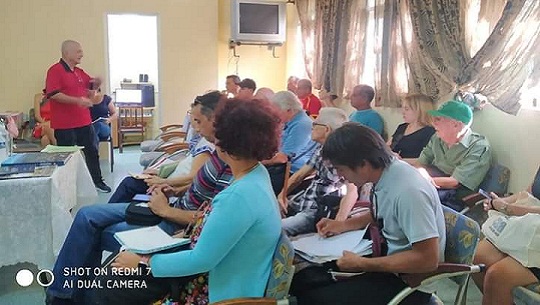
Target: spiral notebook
pixel 148 240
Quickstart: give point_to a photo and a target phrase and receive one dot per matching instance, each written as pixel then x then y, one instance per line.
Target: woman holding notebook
pixel 242 225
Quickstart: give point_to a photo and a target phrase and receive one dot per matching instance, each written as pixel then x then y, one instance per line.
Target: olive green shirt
pixel 468 161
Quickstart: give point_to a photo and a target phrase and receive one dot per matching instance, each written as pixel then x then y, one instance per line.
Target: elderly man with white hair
pixel 326 185
pixel 296 144
pixel 456 158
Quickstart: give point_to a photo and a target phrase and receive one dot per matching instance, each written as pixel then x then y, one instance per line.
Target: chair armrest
pixel 170 148
pixel 247 301
pixel 444 270
pixel 172 134
pixel 472 199
pixel 169 127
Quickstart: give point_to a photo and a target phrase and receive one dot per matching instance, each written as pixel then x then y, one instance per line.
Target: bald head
pixel 265 94
pixel 362 96
pixel 304 88
pixel 72 52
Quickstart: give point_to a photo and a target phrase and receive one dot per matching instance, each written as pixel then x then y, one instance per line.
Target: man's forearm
pixel 446 182
pixel 66 99
pixel 180 216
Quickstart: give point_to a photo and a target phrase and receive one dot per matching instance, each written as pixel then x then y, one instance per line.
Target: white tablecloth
pixel 34 212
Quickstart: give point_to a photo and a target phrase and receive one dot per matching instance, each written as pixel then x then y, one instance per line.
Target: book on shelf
pixel 148 240
pixel 27 162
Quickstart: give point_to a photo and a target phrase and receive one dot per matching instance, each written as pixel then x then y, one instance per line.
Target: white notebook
pixel 148 240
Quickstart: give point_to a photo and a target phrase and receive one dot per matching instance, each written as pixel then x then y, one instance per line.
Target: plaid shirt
pixel 325 182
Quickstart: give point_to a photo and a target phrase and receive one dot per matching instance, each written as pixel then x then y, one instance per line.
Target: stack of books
pixel 27 162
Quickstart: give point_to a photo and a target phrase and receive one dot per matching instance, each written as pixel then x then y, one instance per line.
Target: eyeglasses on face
pixel 318 124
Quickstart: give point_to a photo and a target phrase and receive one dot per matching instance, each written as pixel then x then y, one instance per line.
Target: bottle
pixel 3 141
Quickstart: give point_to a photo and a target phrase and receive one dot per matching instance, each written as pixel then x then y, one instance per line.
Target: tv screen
pixel 259 18
pixel 128 96
pixel 258 21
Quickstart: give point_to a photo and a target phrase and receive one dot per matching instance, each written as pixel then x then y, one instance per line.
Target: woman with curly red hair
pixel 242 226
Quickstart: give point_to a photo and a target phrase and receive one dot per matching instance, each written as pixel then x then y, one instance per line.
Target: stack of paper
pixel 316 249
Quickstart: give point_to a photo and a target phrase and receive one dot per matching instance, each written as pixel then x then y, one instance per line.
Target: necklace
pixel 245 172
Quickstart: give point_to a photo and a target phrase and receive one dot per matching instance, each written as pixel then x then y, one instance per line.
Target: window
pixel 133 48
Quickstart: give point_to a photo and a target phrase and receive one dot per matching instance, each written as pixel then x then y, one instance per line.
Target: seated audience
pixel 200 150
pixel 232 87
pixel 310 103
pixel 504 272
pixel 93 228
pixel 296 144
pixel 328 99
pixel 456 158
pixel 240 230
pixel 247 89
pixel 407 209
pixel 301 209
pixel 264 93
pixel 42 114
pixel 292 84
pixel 361 98
pixel 412 136
pixel 102 115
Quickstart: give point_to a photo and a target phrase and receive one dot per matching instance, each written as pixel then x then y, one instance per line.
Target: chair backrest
pixel 282 269
pixel 462 237
pixel 131 119
pixel 496 180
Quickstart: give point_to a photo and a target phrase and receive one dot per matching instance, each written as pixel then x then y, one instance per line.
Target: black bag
pixel 137 213
pixel 328 206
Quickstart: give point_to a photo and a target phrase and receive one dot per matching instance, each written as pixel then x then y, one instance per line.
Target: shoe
pixel 102 187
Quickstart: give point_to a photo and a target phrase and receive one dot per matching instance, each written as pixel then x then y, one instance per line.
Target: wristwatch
pixel 143 266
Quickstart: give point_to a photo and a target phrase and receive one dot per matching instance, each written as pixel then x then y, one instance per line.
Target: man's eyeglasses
pixel 318 124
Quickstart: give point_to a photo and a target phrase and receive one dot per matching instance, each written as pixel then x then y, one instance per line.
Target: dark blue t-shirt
pixel 101 109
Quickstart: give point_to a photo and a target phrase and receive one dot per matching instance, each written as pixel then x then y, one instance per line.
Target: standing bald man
pixel 70 91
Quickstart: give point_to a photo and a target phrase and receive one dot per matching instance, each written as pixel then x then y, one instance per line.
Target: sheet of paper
pixel 332 246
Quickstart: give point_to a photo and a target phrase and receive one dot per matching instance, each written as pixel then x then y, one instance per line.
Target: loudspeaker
pixel 147 94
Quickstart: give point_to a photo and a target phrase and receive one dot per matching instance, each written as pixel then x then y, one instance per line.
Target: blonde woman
pixel 410 137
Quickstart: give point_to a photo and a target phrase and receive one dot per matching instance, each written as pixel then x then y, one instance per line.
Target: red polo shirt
pixel 311 104
pixel 61 79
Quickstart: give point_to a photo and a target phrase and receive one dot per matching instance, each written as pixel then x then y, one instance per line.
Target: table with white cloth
pixel 35 212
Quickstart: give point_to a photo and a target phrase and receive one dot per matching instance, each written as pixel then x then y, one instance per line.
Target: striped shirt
pixel 212 178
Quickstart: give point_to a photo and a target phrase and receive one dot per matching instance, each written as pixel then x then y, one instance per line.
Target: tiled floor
pixel 12 294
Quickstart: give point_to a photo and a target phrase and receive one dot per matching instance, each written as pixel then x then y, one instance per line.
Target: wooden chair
pixel 462 237
pixel 130 121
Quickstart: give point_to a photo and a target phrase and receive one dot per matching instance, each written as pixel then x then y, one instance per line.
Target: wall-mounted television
pixel 258 21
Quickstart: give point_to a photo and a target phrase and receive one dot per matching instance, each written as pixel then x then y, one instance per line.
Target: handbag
pixel 138 213
pixel 517 236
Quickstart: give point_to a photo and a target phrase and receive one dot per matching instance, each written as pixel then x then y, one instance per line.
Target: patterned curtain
pixel 509 60
pixel 423 46
pixel 324 25
pixel 436 51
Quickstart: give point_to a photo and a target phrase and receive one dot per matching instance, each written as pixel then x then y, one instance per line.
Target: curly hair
pixel 248 129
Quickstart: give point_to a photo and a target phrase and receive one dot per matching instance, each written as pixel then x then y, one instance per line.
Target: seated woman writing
pixel 503 272
pixel 200 150
pixel 42 114
pixel 242 225
pixel 412 136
